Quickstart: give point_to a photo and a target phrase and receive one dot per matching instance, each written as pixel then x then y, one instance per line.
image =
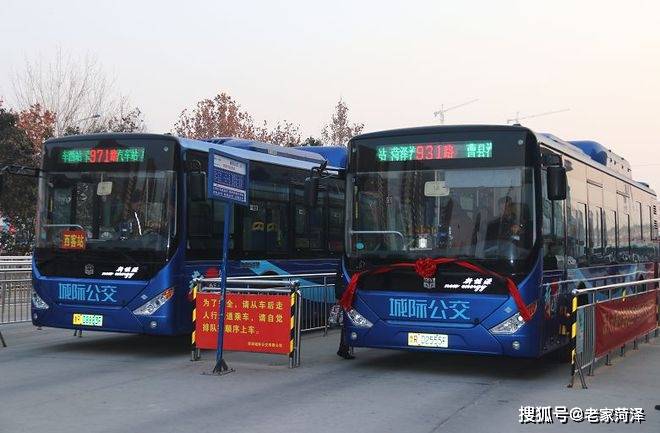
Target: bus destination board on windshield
pixel 435 151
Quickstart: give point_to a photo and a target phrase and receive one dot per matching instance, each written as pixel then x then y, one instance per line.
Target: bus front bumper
pixel 467 339
pixel 114 319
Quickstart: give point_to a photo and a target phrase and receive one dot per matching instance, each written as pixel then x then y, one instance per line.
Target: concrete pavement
pixel 53 382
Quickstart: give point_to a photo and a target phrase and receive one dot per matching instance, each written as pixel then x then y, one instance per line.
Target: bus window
pixel 595 235
pixel 254 227
pixel 335 229
pixel 636 241
pixel 609 228
pixel 277 233
pixel 309 223
pixel 301 227
pixel 317 224
pixel 205 230
pixel 649 223
pixel 577 233
pixel 553 230
pixel 206 224
pixel 624 237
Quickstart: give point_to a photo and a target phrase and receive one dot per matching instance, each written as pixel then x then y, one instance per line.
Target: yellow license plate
pixel 87 319
pixel 428 340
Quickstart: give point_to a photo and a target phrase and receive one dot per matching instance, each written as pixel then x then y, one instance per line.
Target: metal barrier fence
pixel 15 288
pixel 252 285
pixel 317 294
pixel 584 329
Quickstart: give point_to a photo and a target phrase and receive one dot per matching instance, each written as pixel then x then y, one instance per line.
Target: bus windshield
pixel 442 199
pixel 106 200
pixel 115 210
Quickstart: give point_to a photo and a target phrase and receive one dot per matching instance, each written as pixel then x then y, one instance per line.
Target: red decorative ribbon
pixel 426 268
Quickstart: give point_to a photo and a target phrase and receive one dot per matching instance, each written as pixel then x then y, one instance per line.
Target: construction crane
pixel 516 120
pixel 440 114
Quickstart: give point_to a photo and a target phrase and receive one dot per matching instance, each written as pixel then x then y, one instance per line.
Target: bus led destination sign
pixel 435 151
pixel 102 156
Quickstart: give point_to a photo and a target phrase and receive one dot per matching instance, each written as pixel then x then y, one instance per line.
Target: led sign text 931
pixel 434 151
pixel 102 156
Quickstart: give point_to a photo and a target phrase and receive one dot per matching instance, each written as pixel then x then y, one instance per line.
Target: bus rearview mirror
pixel 197 186
pixel 311 191
pixel 556 182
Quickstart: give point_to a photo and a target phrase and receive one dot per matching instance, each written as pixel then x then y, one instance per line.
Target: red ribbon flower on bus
pixel 426 268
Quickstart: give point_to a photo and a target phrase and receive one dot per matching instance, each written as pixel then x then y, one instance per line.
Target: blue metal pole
pixel 221 366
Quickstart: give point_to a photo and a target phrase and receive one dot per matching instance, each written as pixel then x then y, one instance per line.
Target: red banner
pixel 622 320
pixel 253 322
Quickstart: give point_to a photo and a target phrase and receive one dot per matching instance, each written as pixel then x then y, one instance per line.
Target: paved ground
pixel 53 382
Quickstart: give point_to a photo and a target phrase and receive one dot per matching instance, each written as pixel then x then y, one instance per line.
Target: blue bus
pixel 470 238
pixel 124 227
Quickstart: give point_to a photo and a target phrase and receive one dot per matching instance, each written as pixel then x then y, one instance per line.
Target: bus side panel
pixel 556 295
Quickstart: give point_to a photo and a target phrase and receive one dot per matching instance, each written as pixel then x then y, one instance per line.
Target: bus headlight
pixel 154 304
pixel 358 319
pixel 513 323
pixel 38 303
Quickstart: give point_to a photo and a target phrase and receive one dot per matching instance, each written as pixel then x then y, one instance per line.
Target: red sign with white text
pixel 253 322
pixel 622 320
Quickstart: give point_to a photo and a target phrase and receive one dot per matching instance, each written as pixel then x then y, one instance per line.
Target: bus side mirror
pixel 197 185
pixel 556 182
pixel 311 191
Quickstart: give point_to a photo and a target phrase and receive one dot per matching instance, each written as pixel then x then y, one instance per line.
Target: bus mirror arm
pixel 311 191
pixel 556 182
pixel 197 187
pixel 312 185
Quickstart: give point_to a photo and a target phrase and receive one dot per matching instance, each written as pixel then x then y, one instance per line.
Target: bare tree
pixel 223 116
pixel 284 133
pixel 340 130
pixel 75 89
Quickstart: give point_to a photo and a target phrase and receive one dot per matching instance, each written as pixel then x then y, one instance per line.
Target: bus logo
pixel 429 283
pixel 87 292
pixel 477 285
pixel 89 269
pixel 438 309
pixel 125 272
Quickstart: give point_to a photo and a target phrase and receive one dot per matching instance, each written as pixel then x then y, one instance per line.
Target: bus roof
pixel 574 150
pixel 301 153
pixel 565 147
pixel 436 129
pixel 235 148
pixel 110 135
pixel 335 155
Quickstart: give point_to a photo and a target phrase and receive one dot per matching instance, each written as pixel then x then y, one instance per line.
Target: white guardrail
pixel 15 288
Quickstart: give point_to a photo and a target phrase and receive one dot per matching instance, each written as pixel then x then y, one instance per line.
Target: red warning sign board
pixel 254 322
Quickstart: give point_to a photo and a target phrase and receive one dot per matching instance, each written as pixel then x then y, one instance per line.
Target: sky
pixel 393 63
